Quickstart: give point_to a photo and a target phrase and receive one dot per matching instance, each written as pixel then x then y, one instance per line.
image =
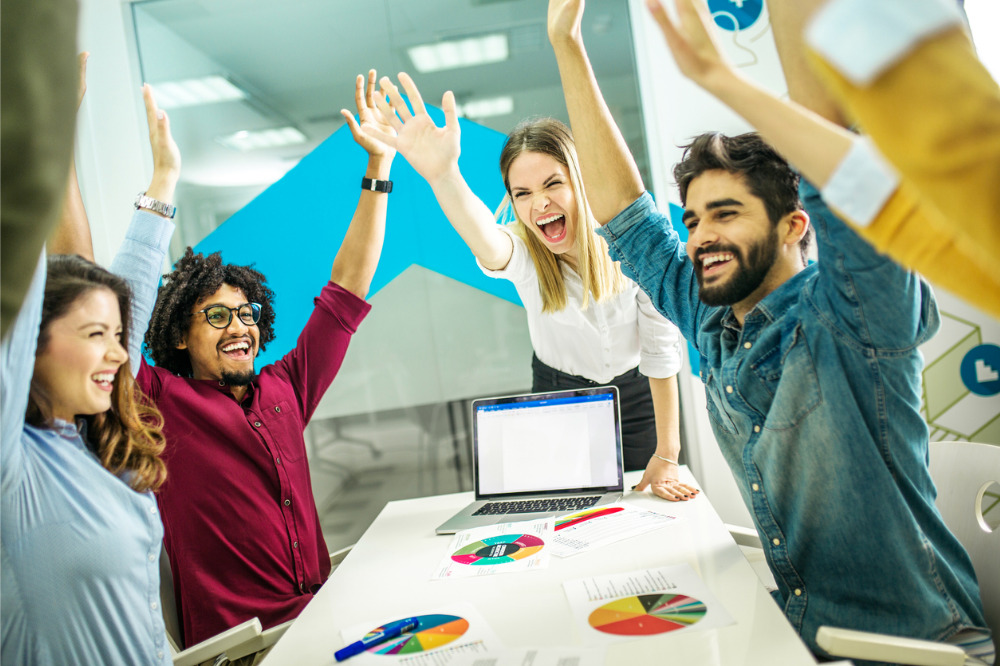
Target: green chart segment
pixel 499 549
pixel 647 614
pixel 432 631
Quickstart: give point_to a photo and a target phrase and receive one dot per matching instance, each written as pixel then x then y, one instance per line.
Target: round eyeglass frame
pixel 251 309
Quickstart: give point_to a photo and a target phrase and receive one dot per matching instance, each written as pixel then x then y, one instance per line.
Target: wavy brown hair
pixel 600 275
pixel 128 438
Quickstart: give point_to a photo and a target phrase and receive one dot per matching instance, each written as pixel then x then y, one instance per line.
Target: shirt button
pixel 154 605
pixel 747 345
pixel 152 510
pixel 277 461
pixel 277 408
pixel 295 544
pixel 288 502
pixel 776 542
pixel 755 487
pixel 159 655
pixel 256 424
pixel 729 389
pixel 798 592
pixel 756 428
pixel 152 558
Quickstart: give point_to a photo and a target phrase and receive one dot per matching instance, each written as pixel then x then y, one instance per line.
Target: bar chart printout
pixel 638 604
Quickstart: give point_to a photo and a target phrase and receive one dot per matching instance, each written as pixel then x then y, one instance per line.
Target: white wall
pixel 112 154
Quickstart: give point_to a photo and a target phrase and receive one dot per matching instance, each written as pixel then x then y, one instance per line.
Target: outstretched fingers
pixel 413 93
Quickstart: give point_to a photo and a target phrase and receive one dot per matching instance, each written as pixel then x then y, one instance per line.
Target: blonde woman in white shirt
pixel 589 324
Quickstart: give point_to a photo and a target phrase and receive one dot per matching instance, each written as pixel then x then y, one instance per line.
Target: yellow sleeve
pixel 935 115
pixel 914 235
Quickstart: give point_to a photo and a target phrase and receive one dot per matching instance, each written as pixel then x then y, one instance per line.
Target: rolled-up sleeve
pixel 659 341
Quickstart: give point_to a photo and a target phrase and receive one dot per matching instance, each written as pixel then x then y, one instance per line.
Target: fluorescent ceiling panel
pixel 486 108
pixel 271 138
pixel 459 53
pixel 192 92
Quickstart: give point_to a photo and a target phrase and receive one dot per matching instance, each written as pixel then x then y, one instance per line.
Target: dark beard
pixel 749 273
pixel 237 378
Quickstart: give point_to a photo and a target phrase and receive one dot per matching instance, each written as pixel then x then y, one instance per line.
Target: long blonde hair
pixel 128 438
pixel 601 277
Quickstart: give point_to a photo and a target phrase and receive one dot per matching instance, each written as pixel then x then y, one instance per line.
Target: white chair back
pixel 963 473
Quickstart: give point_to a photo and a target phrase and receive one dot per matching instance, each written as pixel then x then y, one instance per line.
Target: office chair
pixel 233 643
pixel 963 473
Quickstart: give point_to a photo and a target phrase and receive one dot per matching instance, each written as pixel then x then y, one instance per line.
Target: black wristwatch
pixel 376 185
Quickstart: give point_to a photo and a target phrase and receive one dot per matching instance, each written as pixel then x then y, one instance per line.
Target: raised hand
pixel 690 40
pixel 166 155
pixel 431 150
pixel 81 89
pixel 372 124
pixel 564 19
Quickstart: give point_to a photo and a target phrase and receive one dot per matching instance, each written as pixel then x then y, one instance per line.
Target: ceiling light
pixel 191 92
pixel 459 53
pixel 486 108
pixel 271 138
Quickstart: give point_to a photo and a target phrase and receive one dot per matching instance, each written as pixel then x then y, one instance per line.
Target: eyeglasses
pixel 219 316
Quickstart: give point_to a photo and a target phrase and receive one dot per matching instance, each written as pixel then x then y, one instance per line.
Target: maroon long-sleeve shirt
pixel 240 522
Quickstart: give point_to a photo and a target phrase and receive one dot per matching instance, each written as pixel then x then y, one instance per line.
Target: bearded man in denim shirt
pixel 812 373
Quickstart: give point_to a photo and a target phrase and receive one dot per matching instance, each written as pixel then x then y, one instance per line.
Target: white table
pixel 387 574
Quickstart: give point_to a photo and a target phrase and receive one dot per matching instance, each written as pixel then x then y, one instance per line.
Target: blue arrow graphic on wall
pixel 292 231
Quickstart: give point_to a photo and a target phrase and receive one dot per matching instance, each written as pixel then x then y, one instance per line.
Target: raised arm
pixel 72 232
pixel 356 260
pixel 610 175
pixel 433 152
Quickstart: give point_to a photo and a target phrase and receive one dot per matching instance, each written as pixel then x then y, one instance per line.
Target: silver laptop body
pixel 554 447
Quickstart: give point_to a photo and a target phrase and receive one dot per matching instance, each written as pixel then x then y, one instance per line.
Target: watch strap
pixel 375 185
pixel 149 203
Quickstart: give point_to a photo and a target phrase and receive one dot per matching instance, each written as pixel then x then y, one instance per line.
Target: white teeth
pixel 545 220
pixel 712 259
pixel 236 345
pixel 104 377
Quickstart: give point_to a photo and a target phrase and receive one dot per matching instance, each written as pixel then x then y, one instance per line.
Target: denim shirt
pixel 815 404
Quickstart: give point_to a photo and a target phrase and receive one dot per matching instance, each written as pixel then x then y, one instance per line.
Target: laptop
pixel 543 454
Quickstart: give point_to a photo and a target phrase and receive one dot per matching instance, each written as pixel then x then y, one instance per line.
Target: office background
pixel 439 333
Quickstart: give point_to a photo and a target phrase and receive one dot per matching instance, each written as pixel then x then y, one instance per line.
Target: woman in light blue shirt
pixel 80 532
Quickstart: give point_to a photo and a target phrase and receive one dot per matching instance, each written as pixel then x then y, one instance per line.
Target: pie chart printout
pixel 499 549
pixel 647 614
pixel 432 631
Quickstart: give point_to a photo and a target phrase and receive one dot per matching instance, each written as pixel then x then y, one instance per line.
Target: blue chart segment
pixel 499 549
pixel 735 15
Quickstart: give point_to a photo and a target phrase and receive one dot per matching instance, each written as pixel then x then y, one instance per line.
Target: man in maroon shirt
pixel 240 522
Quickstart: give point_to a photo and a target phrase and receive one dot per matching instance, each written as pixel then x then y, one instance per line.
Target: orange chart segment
pixel 647 614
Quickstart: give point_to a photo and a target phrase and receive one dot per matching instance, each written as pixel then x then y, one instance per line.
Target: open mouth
pixel 104 380
pixel 715 263
pixel 237 350
pixel 553 227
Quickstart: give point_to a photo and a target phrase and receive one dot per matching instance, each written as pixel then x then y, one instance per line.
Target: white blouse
pixel 605 340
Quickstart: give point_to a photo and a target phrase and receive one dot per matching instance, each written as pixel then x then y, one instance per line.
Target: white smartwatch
pixel 149 203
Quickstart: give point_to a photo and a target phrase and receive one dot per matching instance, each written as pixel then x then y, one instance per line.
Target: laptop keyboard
pixel 537 505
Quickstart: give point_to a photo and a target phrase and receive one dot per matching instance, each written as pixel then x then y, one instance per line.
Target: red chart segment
pixel 583 516
pixel 432 631
pixel 499 549
pixel 647 614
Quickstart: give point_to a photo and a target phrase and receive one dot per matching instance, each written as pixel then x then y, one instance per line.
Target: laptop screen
pixel 565 441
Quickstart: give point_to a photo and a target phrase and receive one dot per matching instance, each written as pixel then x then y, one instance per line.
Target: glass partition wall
pixel 252 86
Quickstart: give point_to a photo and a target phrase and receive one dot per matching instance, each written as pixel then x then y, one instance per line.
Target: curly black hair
pixel 194 277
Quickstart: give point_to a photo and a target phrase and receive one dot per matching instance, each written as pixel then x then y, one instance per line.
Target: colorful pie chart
pixel 647 614
pixel 499 549
pixel 432 631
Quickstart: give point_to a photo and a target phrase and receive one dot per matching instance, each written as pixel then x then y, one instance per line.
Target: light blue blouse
pixel 79 549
